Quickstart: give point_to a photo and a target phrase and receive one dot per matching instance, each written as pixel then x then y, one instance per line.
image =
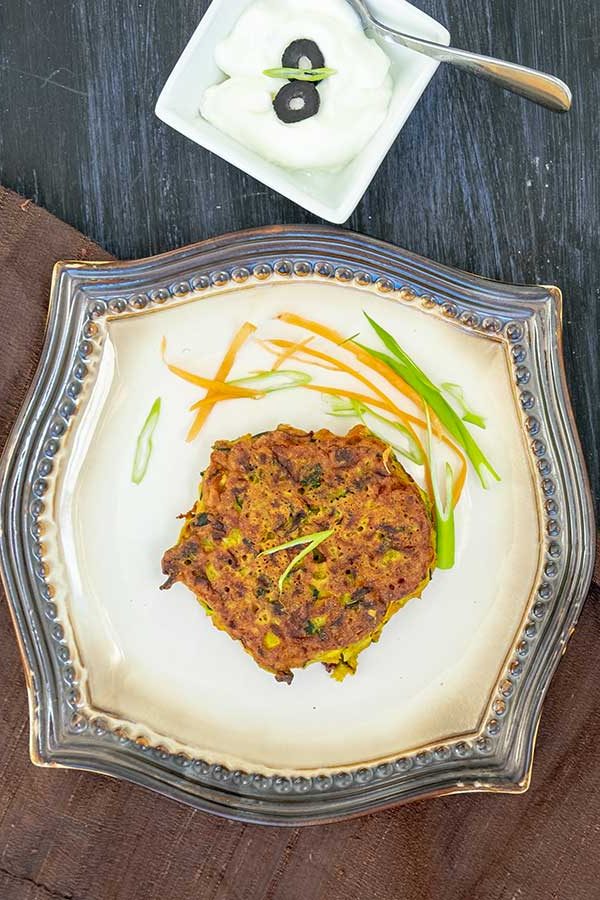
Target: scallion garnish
pixel 348 339
pixel 444 509
pixel 313 541
pixel 300 74
pixel 143 447
pixel 340 407
pixel 456 392
pixel 401 363
pixel 353 408
pixel 269 382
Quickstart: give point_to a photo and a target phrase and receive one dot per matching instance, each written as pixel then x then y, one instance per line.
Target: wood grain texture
pixel 478 179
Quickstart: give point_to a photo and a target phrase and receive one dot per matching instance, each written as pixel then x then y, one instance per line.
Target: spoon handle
pixel 544 89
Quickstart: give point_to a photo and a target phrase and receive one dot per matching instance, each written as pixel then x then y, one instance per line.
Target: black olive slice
pixel 296 101
pixel 303 54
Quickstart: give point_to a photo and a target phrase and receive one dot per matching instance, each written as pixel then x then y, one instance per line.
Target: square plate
pixel 331 195
pixel 126 681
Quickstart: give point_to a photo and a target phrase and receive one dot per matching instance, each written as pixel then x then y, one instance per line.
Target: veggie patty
pixel 261 492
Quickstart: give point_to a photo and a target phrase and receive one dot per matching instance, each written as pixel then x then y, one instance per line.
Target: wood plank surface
pixel 478 179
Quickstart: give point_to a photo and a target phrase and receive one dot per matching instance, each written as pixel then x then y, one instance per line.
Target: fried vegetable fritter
pixel 263 491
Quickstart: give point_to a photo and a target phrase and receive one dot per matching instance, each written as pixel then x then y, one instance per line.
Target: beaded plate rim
pixel 527 319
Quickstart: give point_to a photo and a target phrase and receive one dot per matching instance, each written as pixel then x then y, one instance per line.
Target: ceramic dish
pixel 130 682
pixel 333 196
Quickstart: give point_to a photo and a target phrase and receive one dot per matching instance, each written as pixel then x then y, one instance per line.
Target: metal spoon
pixel 547 90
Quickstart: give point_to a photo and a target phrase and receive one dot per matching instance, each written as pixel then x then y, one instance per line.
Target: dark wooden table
pixel 478 179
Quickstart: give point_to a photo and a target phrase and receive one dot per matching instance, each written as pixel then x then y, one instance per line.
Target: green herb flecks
pixel 143 447
pixel 300 74
pixel 468 415
pixel 444 508
pixel 315 625
pixel 401 363
pixel 313 477
pixel 311 540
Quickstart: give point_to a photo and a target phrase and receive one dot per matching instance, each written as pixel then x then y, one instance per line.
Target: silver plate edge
pixel 528 317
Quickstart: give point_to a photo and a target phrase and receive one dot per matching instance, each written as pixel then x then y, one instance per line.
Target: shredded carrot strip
pixel 384 402
pixel 218 390
pixel 336 338
pixel 390 407
pixel 462 475
pixel 351 395
pixel 380 404
pixel 386 455
pixel 217 398
pixel 397 382
pixel 223 371
pixel 219 387
pixel 282 357
pixel 340 366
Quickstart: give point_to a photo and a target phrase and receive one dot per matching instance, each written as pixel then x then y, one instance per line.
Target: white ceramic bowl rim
pixel 333 196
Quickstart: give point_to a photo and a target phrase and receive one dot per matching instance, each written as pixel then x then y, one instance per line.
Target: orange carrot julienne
pixel 385 457
pixel 387 406
pixel 215 391
pixel 219 387
pixel 380 404
pixel 462 475
pixel 391 377
pixel 350 395
pixel 236 345
pixel 336 338
pixel 198 423
pixel 460 481
pixel 291 350
pixel 340 366
pixel 220 398
pixel 223 371
pixel 283 355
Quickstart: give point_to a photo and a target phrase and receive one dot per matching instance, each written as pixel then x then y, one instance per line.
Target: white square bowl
pixel 331 195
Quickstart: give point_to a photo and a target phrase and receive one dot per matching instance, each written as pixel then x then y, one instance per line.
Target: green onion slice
pixel 143 447
pixel 313 541
pixel 413 453
pixel 300 74
pixel 468 415
pixel 269 382
pixel 444 509
pixel 340 407
pixel 401 363
pixel 353 408
pixel 348 339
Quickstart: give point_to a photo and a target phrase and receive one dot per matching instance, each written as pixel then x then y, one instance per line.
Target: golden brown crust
pixel 262 491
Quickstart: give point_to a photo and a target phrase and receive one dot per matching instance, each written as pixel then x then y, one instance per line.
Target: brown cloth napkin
pixel 69 834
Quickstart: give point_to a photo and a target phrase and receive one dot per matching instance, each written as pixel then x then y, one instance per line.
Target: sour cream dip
pixel 353 102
